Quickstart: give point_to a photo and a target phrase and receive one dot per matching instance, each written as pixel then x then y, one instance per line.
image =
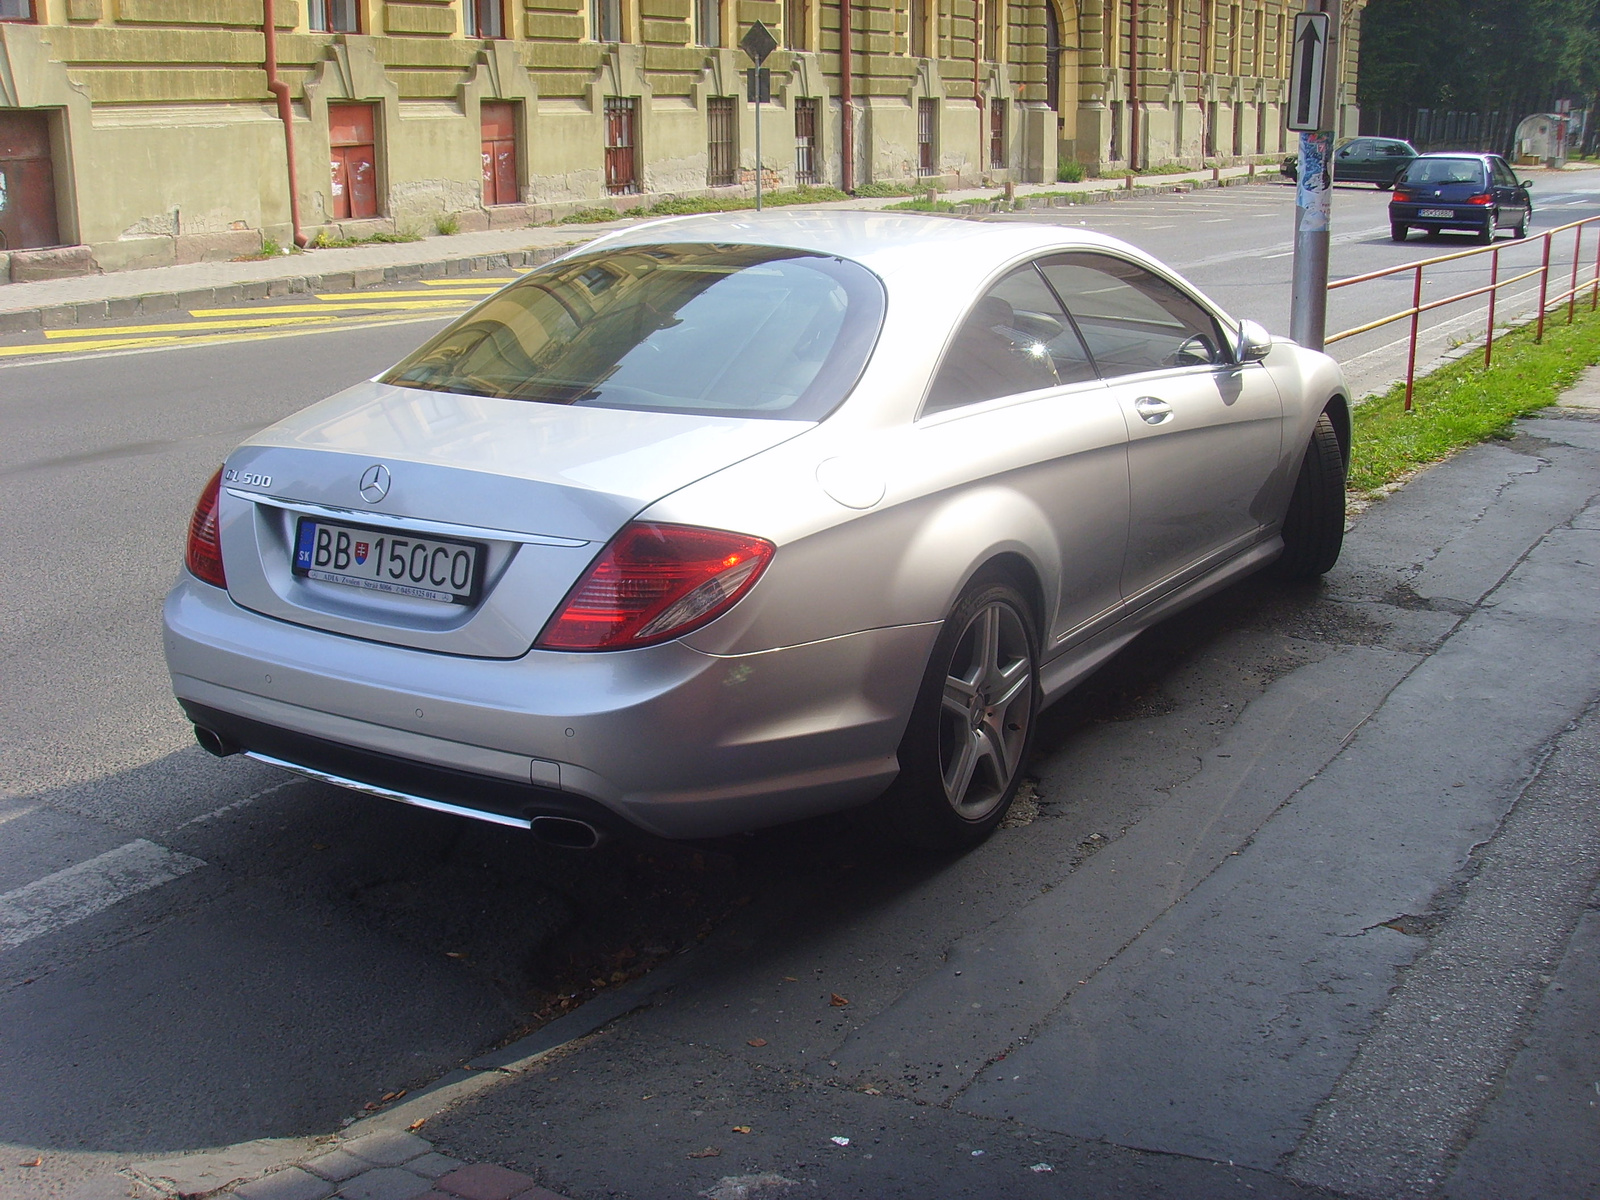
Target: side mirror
pixel 1527 183
pixel 1255 343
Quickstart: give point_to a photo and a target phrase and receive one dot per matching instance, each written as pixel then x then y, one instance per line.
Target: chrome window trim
pixel 413 524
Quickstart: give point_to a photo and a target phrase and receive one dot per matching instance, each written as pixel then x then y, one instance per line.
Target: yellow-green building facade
pixel 165 144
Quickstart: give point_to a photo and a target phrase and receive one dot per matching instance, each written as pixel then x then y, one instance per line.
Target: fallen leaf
pixel 741 1129
pixel 839 1141
pixel 370 1105
pixel 790 979
pixel 416 1125
pixel 837 1001
pixel 454 954
pixel 871 1091
pixel 1041 1168
pixel 388 1096
pixel 32 1162
pixel 708 1152
pixel 757 1042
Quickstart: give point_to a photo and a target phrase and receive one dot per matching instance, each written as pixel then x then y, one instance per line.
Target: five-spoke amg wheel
pixel 962 756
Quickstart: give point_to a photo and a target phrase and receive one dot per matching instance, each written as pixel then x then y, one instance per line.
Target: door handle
pixel 1152 411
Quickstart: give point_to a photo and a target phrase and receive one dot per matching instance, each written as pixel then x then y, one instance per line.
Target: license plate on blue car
pixel 385 560
pixel 1445 213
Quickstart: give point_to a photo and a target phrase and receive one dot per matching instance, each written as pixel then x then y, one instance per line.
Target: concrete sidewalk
pixel 119 295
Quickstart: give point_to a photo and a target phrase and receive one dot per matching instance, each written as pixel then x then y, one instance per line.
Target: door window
pixel 1503 175
pixel 1016 339
pixel 1132 319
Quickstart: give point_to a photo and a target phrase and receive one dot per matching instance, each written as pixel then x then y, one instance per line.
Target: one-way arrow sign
pixel 1309 82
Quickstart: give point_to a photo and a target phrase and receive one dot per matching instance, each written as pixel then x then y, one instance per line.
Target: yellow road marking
pixel 168 328
pixel 70 347
pixel 398 305
pixel 461 291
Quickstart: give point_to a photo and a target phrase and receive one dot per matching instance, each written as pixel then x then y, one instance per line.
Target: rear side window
pixel 1503 174
pixel 1132 319
pixel 1445 170
pixel 729 330
pixel 1016 339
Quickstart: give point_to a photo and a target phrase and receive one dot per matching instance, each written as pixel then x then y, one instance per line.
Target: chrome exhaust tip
pixel 566 832
pixel 213 742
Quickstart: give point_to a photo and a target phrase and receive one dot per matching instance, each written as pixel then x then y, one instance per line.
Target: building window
pixel 707 22
pixel 927 151
pixel 16 10
pixel 796 19
pixel 1052 57
pixel 621 147
pixel 482 19
pixel 920 18
pixel 330 16
pixel 498 119
pixel 805 142
pixel 997 135
pixel 354 146
pixel 993 27
pixel 720 164
pixel 1175 37
pixel 605 20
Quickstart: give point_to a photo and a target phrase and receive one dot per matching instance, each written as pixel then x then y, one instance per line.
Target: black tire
pixel 1384 187
pixel 962 756
pixel 1486 234
pixel 1398 231
pixel 1313 527
pixel 1521 230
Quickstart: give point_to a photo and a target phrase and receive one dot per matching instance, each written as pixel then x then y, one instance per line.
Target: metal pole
pixel 758 139
pixel 1308 307
pixel 1411 355
pixel 1577 251
pixel 1544 288
pixel 1494 293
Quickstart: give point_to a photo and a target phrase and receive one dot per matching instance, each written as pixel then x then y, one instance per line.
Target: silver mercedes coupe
pixel 722 522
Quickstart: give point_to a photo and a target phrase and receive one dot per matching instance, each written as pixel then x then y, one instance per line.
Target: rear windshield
pixel 1445 170
pixel 731 330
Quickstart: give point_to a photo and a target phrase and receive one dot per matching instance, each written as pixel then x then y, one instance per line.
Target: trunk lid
pixel 534 490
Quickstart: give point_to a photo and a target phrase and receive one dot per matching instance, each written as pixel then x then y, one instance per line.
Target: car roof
pixel 899 243
pixel 1472 154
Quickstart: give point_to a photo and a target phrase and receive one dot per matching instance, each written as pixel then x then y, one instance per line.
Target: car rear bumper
pixel 671 740
pixel 1461 216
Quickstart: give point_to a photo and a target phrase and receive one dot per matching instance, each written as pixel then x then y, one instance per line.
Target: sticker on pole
pixel 1308 84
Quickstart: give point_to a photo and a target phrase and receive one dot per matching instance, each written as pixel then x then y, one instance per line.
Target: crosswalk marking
pixel 308 314
pixel 80 891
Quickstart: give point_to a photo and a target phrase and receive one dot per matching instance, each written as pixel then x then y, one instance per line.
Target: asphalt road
pixel 201 952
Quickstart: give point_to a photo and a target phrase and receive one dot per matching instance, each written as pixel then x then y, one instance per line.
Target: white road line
pixel 217 813
pixel 69 896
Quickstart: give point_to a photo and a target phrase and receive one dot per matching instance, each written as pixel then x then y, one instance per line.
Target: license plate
pixel 1445 213
pixel 381 560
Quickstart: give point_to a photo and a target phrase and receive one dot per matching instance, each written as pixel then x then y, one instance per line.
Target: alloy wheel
pixel 986 709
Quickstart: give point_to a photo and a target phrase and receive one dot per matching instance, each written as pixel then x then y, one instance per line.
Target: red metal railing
pixel 1492 290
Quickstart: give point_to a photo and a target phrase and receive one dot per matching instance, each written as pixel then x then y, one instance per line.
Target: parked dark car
pixel 1363 160
pixel 1477 193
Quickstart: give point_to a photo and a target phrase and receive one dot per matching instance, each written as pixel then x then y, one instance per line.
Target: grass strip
pixel 1462 403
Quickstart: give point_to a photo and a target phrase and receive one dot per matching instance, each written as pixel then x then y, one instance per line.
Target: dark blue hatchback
pixel 1477 193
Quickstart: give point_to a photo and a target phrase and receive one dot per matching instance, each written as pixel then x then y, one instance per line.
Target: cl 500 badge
pixel 246 478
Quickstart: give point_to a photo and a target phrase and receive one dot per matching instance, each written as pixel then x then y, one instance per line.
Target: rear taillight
pixel 655 582
pixel 204 555
pixel 1485 198
pixel 1402 194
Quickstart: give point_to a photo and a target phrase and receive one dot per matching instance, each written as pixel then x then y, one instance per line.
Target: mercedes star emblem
pixel 375 483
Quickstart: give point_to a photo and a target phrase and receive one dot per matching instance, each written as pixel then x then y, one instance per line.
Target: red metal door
pixel 805 142
pixel 621 176
pixel 27 182
pixel 353 143
pixel 499 118
pixel 927 114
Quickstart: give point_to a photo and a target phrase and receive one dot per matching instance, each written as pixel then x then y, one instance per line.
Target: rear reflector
pixel 654 583
pixel 204 554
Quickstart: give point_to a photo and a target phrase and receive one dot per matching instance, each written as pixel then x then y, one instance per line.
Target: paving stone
pixel 258 290
pixel 485 1181
pixel 388 1149
pixel 292 1183
pixel 384 1183
pixel 337 1166
pixel 59 316
pixel 93 310
pixel 164 302
pixel 372 277
pixel 196 298
pixel 432 1166
pixel 122 308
